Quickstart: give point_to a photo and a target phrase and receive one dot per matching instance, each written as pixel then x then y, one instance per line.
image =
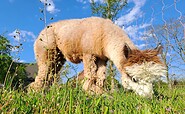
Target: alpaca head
pixel 143 67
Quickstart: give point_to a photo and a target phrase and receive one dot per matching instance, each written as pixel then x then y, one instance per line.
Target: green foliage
pixel 11 72
pixel 5 59
pixel 5 46
pixel 109 9
pixel 62 99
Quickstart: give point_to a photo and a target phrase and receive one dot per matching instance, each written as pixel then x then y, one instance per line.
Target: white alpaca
pixel 92 41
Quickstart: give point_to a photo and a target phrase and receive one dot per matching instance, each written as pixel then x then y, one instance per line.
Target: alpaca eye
pixel 134 80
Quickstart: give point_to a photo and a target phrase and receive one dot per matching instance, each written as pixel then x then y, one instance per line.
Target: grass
pixel 63 99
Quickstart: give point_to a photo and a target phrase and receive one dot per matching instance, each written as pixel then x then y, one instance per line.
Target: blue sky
pixel 24 16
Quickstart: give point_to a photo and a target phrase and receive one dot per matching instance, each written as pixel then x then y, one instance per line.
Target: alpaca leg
pixel 98 81
pixel 49 64
pixel 43 69
pixel 101 73
pixel 56 62
pixel 99 78
pixel 90 72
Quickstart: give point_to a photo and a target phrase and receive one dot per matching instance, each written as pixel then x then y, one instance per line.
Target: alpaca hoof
pixel 92 88
pixel 35 86
pixel 96 90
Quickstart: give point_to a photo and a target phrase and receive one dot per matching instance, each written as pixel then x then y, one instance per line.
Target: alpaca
pixel 92 41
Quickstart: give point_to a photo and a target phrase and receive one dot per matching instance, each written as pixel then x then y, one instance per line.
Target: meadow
pixel 65 99
pixel 70 99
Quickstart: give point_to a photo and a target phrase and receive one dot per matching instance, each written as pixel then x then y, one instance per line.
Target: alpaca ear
pixel 127 51
pixel 159 49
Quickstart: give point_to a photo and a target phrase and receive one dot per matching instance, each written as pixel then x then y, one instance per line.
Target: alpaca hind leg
pixel 49 64
pixel 43 69
pixel 56 62
pixel 100 75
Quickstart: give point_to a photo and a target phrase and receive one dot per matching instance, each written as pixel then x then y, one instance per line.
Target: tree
pixel 172 38
pixel 11 72
pixel 109 9
pixel 5 59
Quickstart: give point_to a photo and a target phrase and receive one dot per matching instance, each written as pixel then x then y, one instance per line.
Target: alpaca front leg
pixel 90 72
pixel 101 73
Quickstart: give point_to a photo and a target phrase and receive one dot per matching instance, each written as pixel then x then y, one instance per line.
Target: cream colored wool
pixel 146 72
pixel 92 41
